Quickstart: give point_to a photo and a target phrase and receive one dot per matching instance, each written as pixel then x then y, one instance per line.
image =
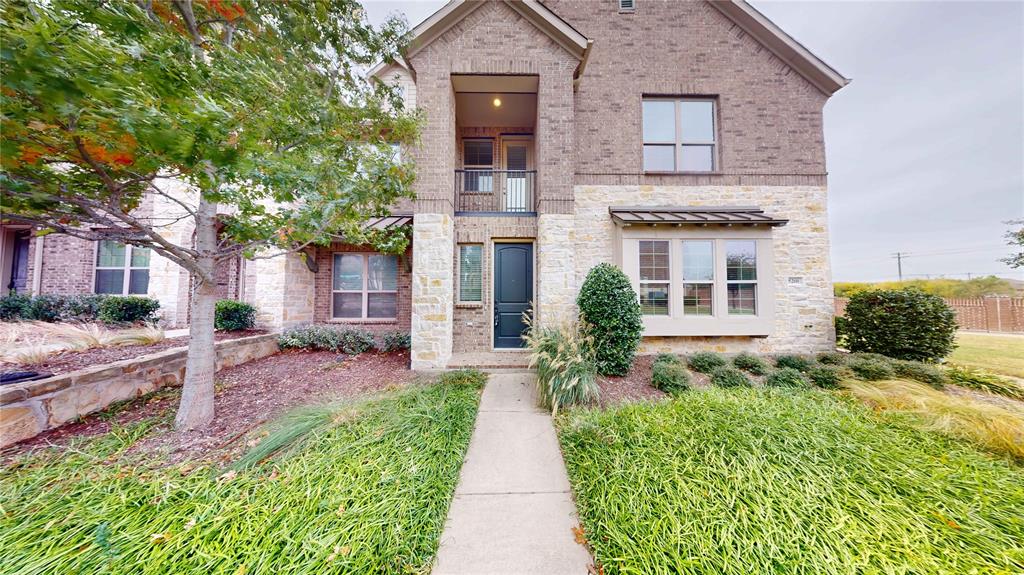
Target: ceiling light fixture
pixel 497 102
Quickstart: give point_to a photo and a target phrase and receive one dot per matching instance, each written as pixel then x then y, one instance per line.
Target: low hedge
pixel 797 362
pixel 395 341
pixel 786 377
pixel 925 373
pixel 51 308
pixel 706 361
pixel 322 337
pixel 750 363
pixel 728 376
pixel 120 309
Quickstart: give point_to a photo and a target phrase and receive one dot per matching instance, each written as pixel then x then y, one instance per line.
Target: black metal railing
pixel 496 191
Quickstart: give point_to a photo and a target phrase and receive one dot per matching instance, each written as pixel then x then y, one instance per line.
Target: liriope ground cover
pixel 365 489
pixel 751 481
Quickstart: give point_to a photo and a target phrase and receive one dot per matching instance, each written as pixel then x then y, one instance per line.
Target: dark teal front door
pixel 513 292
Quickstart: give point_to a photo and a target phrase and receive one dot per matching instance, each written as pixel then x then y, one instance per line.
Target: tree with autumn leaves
pixel 257 109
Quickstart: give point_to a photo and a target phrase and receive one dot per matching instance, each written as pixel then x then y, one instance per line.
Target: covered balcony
pixel 495 122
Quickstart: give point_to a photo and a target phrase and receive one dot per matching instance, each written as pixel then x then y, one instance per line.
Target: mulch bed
pixel 248 395
pixel 68 361
pixel 634 386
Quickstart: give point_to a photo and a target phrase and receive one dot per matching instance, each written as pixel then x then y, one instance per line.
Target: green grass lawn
pixel 365 491
pixel 1002 354
pixel 766 481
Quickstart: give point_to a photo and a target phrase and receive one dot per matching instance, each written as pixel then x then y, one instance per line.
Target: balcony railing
pixel 496 191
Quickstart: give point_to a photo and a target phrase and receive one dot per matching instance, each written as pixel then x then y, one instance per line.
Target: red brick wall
pixel 770 117
pixel 322 283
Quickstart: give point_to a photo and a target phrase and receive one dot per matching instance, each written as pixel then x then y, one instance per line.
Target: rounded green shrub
pixel 705 361
pixel 829 376
pixel 925 373
pixel 128 309
pixel 871 369
pixel 395 341
pixel 320 337
pixel 728 376
pixel 669 375
pixel 786 377
pixel 797 362
pixel 231 315
pixel 611 309
pixel 750 363
pixel 902 324
pixel 832 358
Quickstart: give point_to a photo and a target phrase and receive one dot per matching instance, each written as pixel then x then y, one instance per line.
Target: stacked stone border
pixel 29 408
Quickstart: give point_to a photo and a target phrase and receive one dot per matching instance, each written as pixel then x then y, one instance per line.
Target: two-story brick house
pixel 681 141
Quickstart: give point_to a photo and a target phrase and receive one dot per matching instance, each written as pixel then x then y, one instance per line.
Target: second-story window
pixel 679 134
pixel 478 160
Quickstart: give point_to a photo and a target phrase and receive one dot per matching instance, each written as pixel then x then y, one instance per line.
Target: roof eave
pixel 785 47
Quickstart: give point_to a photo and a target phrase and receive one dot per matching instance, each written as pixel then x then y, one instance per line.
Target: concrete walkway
pixel 512 511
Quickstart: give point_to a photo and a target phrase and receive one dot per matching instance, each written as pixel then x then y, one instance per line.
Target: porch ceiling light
pixel 497 102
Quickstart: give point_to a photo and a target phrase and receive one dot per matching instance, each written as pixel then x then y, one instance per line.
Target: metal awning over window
pixel 388 222
pixel 699 216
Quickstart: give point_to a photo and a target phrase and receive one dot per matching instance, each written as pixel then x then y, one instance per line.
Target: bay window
pixel 741 276
pixel 654 277
pixel 698 277
pixel 364 286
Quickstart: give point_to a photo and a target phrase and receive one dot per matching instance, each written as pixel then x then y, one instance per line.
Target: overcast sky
pixel 925 147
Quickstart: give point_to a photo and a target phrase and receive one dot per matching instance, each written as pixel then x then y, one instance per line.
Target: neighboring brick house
pixel 681 141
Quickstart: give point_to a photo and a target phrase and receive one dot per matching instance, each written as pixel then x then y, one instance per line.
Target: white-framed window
pixel 741 276
pixel 698 277
pixel 679 135
pixel 364 286
pixel 655 272
pixel 121 269
pixel 471 273
pixel 478 161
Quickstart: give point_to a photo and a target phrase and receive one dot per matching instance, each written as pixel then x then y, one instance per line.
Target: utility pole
pixel 899 263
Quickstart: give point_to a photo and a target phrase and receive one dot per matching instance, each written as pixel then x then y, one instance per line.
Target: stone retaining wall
pixel 29 408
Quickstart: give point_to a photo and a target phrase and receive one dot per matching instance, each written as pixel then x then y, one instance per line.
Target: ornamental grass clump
pixel 989 426
pixel 926 373
pixel 750 363
pixel 566 368
pixel 984 381
pixel 705 361
pixel 669 375
pixel 786 377
pixel 797 362
pixel 726 376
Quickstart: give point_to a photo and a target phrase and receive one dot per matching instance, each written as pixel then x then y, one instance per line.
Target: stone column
pixel 169 283
pixel 433 264
pixel 282 290
pixel 556 268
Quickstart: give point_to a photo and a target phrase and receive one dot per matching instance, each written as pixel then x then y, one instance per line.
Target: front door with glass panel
pixel 518 183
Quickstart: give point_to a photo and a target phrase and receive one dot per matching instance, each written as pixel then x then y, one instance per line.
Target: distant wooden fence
pixel 978 314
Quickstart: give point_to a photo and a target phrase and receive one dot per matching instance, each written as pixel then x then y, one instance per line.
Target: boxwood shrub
pixel 903 324
pixel 611 309
pixel 395 341
pixel 786 377
pixel 832 358
pixel 797 362
pixel 728 376
pixel 828 376
pixel 750 363
pixel 119 309
pixel 871 369
pixel 926 373
pixel 669 375
pixel 322 337
pixel 231 315
pixel 705 361
pixel 51 308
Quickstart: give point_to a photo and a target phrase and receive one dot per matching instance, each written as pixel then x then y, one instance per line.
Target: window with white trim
pixel 698 277
pixel 471 273
pixel 741 276
pixel 654 277
pixel 364 286
pixel 478 161
pixel 679 135
pixel 121 269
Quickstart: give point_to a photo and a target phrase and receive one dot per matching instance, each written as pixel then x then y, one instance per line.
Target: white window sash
pixel 127 268
pixel 679 142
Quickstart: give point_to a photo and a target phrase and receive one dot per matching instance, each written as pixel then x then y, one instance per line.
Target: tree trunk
pixel 196 408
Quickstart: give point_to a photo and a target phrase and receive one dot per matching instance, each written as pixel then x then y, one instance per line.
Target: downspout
pixel 582 65
pixel 37 267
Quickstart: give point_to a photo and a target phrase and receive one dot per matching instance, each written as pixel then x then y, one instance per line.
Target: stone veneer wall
pixel 803 282
pixel 557 285
pixel 29 408
pixel 283 291
pixel 433 288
